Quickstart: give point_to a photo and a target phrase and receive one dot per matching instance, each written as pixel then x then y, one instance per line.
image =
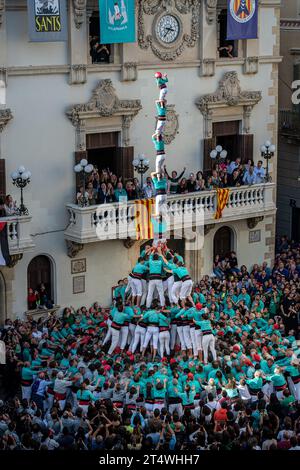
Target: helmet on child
pixel 158 75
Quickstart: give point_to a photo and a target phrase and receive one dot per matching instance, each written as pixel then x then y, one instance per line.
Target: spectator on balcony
pixel 81 195
pixel 182 187
pixel 250 176
pixel 32 299
pixel 138 188
pixel 226 51
pixel 200 184
pixel 215 179
pixel 10 206
pixel 101 199
pixel 260 172
pixel 174 180
pixel 191 183
pixel 92 194
pixel 148 189
pixel 235 179
pixel 114 181
pixel 44 299
pixel 96 179
pixel 110 193
pixel 234 165
pixel 217 267
pixel 120 192
pixel 131 191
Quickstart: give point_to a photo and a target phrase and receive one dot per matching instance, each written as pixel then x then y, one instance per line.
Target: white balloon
pixel 223 154
pixel 272 148
pixel 83 162
pixel 14 175
pixel 88 169
pixel 21 169
pixel 135 162
pixel 25 176
pixel 263 148
pixel 29 174
pixel 213 154
pixel 219 148
pixel 267 143
pixel 78 168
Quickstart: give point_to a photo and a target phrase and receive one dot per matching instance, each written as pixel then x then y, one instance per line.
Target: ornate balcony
pixel 19 238
pixel 112 221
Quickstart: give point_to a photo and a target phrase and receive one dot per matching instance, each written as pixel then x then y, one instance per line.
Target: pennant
pixel 222 199
pixel 47 20
pixel 117 21
pixel 4 249
pixel 143 215
pixel 242 19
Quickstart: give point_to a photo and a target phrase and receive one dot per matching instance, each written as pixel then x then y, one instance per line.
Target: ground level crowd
pixel 208 366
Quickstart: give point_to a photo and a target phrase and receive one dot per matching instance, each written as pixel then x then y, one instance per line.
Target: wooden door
pixel 124 158
pixel 39 271
pixel 222 241
pixel 209 145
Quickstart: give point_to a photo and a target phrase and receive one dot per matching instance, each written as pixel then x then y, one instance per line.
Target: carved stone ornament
pixel 14 259
pixel 151 7
pixel 73 248
pixel 211 11
pixel 128 243
pixel 253 221
pixel 229 93
pixel 78 74
pixel 79 12
pixel 251 65
pixel 129 71
pixel 104 103
pixel 5 116
pixel 2 10
pixel 208 67
pixel 172 124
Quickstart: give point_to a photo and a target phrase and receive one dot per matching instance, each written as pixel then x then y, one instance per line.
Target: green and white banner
pixel 47 20
pixel 117 21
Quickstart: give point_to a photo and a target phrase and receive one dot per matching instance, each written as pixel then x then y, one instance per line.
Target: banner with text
pixel 47 20
pixel 117 21
pixel 242 19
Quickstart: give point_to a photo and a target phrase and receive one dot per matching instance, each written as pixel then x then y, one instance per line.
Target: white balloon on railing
pixel 213 154
pixel 83 162
pixel 219 148
pixel 223 154
pixel 78 168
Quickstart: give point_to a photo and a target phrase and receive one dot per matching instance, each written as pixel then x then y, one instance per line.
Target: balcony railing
pixel 112 221
pixel 18 234
pixel 289 123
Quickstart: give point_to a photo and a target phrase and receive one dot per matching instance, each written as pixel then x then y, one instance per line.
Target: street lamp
pixel 267 152
pixel 20 179
pixel 85 168
pixel 218 153
pixel 141 165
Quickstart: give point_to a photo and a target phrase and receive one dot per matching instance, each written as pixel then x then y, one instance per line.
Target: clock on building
pixel 167 29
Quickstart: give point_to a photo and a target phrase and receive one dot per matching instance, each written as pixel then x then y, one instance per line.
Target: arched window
pixel 223 241
pixel 39 272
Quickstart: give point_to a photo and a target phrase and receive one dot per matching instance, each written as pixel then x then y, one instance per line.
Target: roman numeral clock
pixel 168 27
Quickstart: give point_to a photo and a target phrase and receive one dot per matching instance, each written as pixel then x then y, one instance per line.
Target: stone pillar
pixel 208 43
pixel 78 27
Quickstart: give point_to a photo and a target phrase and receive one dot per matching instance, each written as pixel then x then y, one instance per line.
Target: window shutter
pixel 245 142
pixel 209 145
pixel 124 163
pixel 78 157
pixel 2 178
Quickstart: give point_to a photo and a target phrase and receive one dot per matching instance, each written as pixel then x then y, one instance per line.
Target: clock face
pixel 167 29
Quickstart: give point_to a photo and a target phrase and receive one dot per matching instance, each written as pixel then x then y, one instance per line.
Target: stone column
pixel 78 27
pixel 208 43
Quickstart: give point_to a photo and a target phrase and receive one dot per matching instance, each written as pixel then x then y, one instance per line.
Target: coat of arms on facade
pixel 46 7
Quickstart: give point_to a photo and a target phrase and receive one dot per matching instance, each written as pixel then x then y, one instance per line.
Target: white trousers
pixel 130 338
pixel 145 290
pixel 139 338
pixel 186 289
pixel 159 163
pixel 160 126
pixel 173 336
pixel 152 333
pixel 136 287
pixel 164 343
pixel 176 287
pixel 158 241
pixel 187 336
pixel 181 337
pixel 158 285
pixel 123 336
pixel 161 204
pixel 108 334
pixel 294 388
pixel 176 407
pixel 115 336
pixel 163 93
pixel 170 282
pixel 194 342
pixel 208 343
pixel 198 338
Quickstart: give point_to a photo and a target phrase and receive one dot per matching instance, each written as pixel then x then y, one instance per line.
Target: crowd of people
pixel 209 366
pixel 104 186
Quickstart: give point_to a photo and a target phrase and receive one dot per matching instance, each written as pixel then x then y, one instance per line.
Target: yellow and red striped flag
pixel 143 214
pixel 222 199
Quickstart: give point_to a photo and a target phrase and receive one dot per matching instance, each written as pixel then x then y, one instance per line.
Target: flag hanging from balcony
pixel 222 199
pixel 242 19
pixel 47 20
pixel 143 214
pixel 117 21
pixel 4 250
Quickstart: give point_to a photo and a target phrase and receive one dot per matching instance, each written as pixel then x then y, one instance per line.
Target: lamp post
pixel 20 179
pixel 267 152
pixel 85 168
pixel 141 165
pixel 218 153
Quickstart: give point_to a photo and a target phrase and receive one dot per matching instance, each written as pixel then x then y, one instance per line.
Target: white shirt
pixel 61 385
pixel 260 174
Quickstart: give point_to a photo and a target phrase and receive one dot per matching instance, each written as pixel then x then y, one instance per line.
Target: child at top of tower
pixel 161 81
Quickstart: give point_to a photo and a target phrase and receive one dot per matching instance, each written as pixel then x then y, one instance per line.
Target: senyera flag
pixel 242 19
pixel 4 249
pixel 117 21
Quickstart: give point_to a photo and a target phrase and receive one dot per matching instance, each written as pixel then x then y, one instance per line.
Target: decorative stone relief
pixel 5 116
pixel 251 65
pixel 79 12
pixel 14 259
pixel 229 93
pixel 207 68
pixel 129 71
pixel 151 7
pixel 172 124
pixel 78 74
pixel 73 248
pixel 211 11
pixel 246 122
pixel 253 221
pixel 128 243
pixel 2 10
